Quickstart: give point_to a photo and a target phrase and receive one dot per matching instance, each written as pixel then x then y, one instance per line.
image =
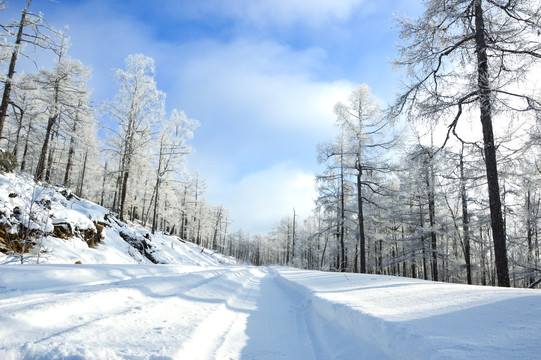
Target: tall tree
pixel 30 29
pixel 472 55
pixel 365 128
pixel 136 107
pixel 172 147
pixel 63 89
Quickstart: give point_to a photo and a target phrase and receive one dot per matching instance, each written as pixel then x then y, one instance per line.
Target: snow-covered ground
pixel 241 312
pixel 42 208
pixel 197 304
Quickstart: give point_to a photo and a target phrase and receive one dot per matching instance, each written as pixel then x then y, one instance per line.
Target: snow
pixel 196 304
pixel 135 311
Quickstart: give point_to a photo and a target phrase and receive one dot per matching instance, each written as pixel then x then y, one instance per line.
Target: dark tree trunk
pixel 432 219
pixel 155 213
pixel 11 70
pixel 342 224
pixel 50 158
pixel 69 163
pixel 425 272
pixel 26 141
pixel 362 237
pixel 123 192
pixel 498 231
pixel 40 171
pixel 465 220
pixel 529 233
pixel 81 183
pixel 293 237
pixel 19 127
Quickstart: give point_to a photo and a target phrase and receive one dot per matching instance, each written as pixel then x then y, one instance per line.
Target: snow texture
pixel 197 304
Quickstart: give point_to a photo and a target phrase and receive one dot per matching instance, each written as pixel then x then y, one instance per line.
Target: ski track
pixel 221 313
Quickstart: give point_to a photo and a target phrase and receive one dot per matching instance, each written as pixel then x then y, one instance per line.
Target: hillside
pixel 65 229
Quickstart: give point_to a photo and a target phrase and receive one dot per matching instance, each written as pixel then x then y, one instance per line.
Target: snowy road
pixel 219 313
pixel 239 312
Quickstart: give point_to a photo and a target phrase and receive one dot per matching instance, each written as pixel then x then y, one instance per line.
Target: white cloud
pixel 271 12
pixel 260 199
pixel 268 83
pixel 313 12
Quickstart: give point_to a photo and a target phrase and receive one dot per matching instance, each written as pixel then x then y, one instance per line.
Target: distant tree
pixel 473 55
pixel 335 192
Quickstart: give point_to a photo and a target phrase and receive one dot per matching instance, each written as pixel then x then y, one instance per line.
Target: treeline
pixel 50 125
pixel 454 195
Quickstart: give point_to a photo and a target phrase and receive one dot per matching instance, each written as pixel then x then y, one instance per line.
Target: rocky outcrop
pixel 141 244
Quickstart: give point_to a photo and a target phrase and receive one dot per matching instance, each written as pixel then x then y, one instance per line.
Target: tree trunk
pixel 69 163
pixel 432 218
pixel 11 70
pixel 123 192
pixel 465 220
pixel 155 213
pixel 425 272
pixel 498 231
pixel 529 233
pixel 50 158
pixel 81 183
pixel 293 237
pixel 360 216
pixel 26 141
pixel 40 170
pixel 103 184
pixel 19 127
pixel 342 216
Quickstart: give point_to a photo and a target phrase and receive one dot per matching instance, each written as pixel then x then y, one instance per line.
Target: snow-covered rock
pixel 63 228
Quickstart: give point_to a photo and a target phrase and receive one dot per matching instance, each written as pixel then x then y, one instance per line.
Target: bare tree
pixel 464 56
pixel 365 130
pixel 172 149
pixel 63 89
pixel 30 29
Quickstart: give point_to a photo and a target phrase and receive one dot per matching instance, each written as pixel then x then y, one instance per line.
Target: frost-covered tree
pixel 62 91
pixel 135 108
pixel 366 134
pixel 473 56
pixel 171 150
pixel 31 29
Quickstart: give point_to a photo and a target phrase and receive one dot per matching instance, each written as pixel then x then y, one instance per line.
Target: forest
pixel 440 185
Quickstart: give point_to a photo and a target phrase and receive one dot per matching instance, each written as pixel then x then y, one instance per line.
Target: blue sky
pixel 262 78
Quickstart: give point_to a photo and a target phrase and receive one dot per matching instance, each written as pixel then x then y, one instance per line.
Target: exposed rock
pixel 62 230
pixel 141 244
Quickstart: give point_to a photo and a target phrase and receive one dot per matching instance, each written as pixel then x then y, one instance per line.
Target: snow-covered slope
pixel 66 229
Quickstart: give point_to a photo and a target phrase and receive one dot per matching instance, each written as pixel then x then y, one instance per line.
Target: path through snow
pixel 162 312
pixel 241 312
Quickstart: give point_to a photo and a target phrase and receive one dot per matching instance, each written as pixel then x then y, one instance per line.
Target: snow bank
pixel 416 319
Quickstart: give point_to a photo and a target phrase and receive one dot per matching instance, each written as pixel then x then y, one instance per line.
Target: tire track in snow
pixel 282 328
pixel 329 339
pixel 95 308
pixel 221 334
